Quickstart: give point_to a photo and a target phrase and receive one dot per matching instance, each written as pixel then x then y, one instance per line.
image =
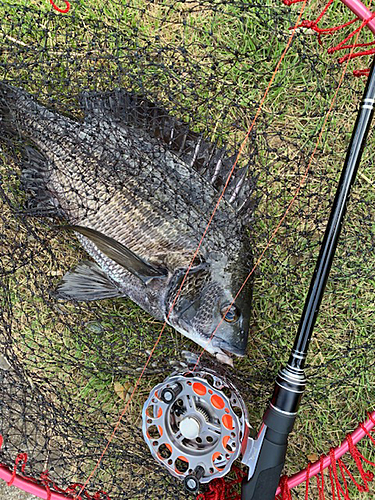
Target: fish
pixel 137 187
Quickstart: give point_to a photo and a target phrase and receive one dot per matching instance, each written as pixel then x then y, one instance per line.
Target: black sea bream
pixel 138 188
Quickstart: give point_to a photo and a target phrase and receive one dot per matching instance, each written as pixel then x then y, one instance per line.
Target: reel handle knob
pixel 191 482
pixel 169 394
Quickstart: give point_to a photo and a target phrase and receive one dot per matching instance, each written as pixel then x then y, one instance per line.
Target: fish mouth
pixel 202 340
pixel 229 348
pixel 214 344
pixel 219 341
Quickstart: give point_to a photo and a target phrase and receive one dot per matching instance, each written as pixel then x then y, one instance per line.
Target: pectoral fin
pixel 87 281
pixel 120 254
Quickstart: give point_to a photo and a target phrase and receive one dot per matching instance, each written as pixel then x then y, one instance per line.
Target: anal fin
pixel 86 282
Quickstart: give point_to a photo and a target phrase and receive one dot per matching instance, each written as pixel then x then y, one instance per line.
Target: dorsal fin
pixel 212 162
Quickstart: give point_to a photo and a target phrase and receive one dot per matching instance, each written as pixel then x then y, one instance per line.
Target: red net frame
pixel 364 17
pixel 349 445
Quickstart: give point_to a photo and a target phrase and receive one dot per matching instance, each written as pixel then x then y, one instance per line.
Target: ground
pixel 12 493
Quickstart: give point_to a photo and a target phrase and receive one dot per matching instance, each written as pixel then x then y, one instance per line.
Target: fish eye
pixel 232 315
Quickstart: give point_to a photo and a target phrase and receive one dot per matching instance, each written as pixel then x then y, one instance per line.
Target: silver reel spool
pixel 195 425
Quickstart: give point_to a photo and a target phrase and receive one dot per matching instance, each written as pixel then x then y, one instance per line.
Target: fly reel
pixel 195 425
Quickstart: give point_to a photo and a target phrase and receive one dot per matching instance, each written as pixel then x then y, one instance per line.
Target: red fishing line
pixel 308 481
pixel 20 459
pixel 195 253
pixel 285 491
pixel 209 223
pixel 291 203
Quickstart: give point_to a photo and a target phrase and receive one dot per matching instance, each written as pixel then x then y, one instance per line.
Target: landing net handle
pixel 290 383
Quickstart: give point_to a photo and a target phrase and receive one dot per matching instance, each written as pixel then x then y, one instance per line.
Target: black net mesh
pixel 111 93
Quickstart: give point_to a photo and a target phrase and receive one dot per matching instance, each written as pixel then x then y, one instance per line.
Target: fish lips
pixel 231 340
pixel 229 347
pixel 234 344
pixel 227 339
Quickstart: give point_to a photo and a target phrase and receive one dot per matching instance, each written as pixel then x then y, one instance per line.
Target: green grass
pixel 81 352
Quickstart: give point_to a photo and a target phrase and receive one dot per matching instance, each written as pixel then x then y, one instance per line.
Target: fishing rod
pixel 196 423
pixel 265 456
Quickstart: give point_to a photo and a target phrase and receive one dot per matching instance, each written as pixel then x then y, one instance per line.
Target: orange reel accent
pixel 199 389
pixel 227 422
pixel 217 402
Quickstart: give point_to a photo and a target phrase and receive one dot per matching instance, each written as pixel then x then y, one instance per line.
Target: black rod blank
pixel 290 382
pixel 333 229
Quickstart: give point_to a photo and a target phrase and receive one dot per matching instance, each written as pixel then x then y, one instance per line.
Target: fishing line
pixel 259 109
pixel 301 185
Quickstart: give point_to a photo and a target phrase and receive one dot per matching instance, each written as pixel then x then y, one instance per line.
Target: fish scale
pixel 155 193
pixel 139 195
pixel 147 240
pixel 171 171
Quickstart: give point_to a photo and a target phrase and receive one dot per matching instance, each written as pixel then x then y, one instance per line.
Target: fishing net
pixel 68 368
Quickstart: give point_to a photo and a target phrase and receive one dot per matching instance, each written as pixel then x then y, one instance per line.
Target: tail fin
pixel 16 108
pixel 15 105
pixel 6 122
